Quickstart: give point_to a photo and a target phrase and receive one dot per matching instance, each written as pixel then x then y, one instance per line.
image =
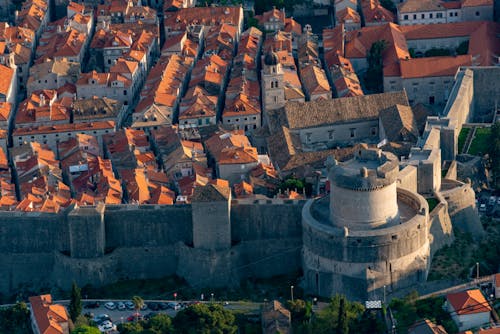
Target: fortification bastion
pixel 368 233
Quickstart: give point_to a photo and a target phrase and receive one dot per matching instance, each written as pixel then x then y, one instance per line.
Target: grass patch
pixel 461 139
pixel 432 203
pixel 479 145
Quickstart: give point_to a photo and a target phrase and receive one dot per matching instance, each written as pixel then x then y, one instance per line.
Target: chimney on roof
pixel 42 100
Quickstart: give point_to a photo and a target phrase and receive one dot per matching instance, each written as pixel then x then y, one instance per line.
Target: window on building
pixel 405 17
pixel 255 126
pixel 477 14
pixel 124 92
pixel 330 134
pixel 431 99
pixel 200 121
pixel 430 15
pixel 272 84
pixel 423 16
pixel 352 132
pixel 276 84
pixel 439 15
pixel 451 14
pixel 373 130
pixel 308 137
pixel 456 13
pixel 275 98
pixel 207 120
pixel 414 16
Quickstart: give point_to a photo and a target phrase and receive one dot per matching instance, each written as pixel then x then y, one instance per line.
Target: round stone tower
pixel 368 235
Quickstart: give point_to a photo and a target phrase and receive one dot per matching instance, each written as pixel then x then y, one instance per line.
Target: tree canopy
pixel 86 330
pixel 75 304
pixel 374 80
pixel 15 319
pixel 205 319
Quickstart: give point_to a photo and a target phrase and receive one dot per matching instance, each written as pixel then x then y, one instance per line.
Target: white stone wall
pixel 431 17
pixel 422 45
pixel 370 208
pixel 243 122
pixel 52 139
pixel 340 133
pixel 428 90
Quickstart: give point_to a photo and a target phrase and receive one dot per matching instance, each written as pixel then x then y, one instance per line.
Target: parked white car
pixel 110 306
pixel 106 326
pixel 482 208
pixel 121 306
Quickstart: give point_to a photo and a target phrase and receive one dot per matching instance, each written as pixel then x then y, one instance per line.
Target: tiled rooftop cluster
pixel 242 105
pixel 342 74
pixel 313 76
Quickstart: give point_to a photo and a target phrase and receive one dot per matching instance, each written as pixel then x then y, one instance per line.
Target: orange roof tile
pixel 6 77
pixel 433 66
pixel 47 315
pixel 468 302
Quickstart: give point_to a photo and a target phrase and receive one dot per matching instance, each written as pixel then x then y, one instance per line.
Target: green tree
pixel 342 324
pixel 374 74
pixel 300 310
pixel 86 330
pixel 205 319
pixel 161 323
pixel 15 319
pixel 138 304
pixel 326 321
pixel 130 328
pixel 75 303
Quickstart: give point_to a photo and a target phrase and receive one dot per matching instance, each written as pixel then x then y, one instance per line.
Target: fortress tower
pixel 367 234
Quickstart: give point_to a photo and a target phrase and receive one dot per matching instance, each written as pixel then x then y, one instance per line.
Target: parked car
pixel 482 208
pixel 129 305
pixel 153 306
pixel 121 306
pixel 100 318
pixel 150 315
pixel 106 326
pixel 493 200
pixel 162 306
pixel 174 306
pixel 144 307
pixel 110 306
pixel 91 305
pixel 134 317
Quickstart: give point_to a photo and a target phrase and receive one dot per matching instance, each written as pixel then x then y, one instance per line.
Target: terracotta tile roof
pixel 243 189
pixel 468 302
pixel 161 195
pixel 477 3
pixel 136 184
pixel 314 80
pixel 220 140
pixel 65 128
pixel 237 156
pixel 242 105
pixel 6 77
pixel 48 316
pixel 348 15
pixel 5 110
pixel 433 66
pixel 208 16
pixel 211 193
pixel 292 26
pixel 399 124
pixel 488 331
pixel 374 12
pixel 441 30
pixel 412 6
pixel 299 115
pixel 426 327
pixel 484 44
pixel 273 15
